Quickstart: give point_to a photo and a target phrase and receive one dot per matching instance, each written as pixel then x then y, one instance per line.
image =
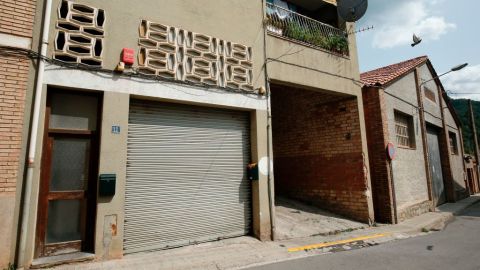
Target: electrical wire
pixel 13 51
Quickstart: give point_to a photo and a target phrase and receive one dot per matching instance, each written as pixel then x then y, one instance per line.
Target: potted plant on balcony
pixel 295 31
pixel 338 44
pixel 316 38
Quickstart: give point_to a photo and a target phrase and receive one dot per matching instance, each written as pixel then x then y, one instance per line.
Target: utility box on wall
pixel 128 56
pixel 106 187
pixel 252 171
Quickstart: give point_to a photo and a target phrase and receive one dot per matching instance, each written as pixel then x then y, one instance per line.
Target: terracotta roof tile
pixel 384 75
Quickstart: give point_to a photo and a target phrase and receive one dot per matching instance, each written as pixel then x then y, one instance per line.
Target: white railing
pixel 292 25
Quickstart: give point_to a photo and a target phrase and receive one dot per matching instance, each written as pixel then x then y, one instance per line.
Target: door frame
pixel 89 209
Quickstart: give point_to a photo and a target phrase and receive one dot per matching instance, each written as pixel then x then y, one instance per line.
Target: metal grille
pixel 403 130
pixel 292 25
pixel 186 179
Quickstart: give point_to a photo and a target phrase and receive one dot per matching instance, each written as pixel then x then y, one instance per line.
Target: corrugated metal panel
pixel 186 179
pixel 436 166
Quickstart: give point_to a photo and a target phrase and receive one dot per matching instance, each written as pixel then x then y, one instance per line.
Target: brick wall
pixel 13 83
pixel 16 17
pixel 377 139
pixel 318 152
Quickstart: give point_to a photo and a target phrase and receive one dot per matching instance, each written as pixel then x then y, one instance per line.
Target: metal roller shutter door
pixel 186 180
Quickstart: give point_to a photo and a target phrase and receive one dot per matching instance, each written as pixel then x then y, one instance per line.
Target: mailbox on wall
pixel 106 187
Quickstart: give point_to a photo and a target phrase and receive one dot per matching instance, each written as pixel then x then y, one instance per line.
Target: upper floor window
pixel 453 143
pixel 404 132
pixel 430 94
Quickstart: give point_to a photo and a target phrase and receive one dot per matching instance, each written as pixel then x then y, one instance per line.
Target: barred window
pixel 404 130
pixel 453 143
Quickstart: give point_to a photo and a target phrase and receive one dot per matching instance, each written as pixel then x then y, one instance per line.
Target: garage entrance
pixel 435 165
pixel 186 177
pixel 317 149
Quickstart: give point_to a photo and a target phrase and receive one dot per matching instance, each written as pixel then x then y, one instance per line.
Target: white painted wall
pixel 63 77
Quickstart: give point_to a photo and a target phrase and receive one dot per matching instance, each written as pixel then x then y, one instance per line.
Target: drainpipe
pixel 271 193
pixel 33 135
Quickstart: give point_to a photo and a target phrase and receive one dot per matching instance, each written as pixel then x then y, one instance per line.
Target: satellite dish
pixel 352 10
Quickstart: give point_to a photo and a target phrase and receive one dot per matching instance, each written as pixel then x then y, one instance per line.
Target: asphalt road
pixel 456 247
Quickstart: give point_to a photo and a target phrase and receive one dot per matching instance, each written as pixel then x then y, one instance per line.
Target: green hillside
pixel 461 106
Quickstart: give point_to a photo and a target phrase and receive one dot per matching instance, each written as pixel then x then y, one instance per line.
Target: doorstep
pixel 51 261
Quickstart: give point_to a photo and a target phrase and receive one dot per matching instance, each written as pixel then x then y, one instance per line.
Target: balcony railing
pixel 292 25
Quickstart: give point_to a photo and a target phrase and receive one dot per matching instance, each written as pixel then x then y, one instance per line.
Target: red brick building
pixel 16 24
pixel 406 105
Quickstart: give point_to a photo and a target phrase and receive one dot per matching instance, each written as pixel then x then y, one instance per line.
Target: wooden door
pixel 68 187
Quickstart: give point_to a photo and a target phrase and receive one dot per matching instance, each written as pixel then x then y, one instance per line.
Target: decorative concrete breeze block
pixel 80 33
pixel 179 54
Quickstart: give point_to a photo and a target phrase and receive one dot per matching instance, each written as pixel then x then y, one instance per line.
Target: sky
pixel 450 32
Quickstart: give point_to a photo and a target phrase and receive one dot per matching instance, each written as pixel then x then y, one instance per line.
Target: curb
pixel 447 217
pixel 438 222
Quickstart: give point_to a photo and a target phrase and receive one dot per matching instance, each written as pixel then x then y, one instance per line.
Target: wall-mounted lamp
pixel 262 91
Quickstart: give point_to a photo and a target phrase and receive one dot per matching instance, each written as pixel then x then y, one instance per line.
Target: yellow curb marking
pixel 327 244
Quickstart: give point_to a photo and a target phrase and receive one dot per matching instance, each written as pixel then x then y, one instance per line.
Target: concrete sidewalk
pixel 298 220
pixel 244 252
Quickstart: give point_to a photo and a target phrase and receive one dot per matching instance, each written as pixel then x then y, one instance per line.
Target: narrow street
pixel 456 247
